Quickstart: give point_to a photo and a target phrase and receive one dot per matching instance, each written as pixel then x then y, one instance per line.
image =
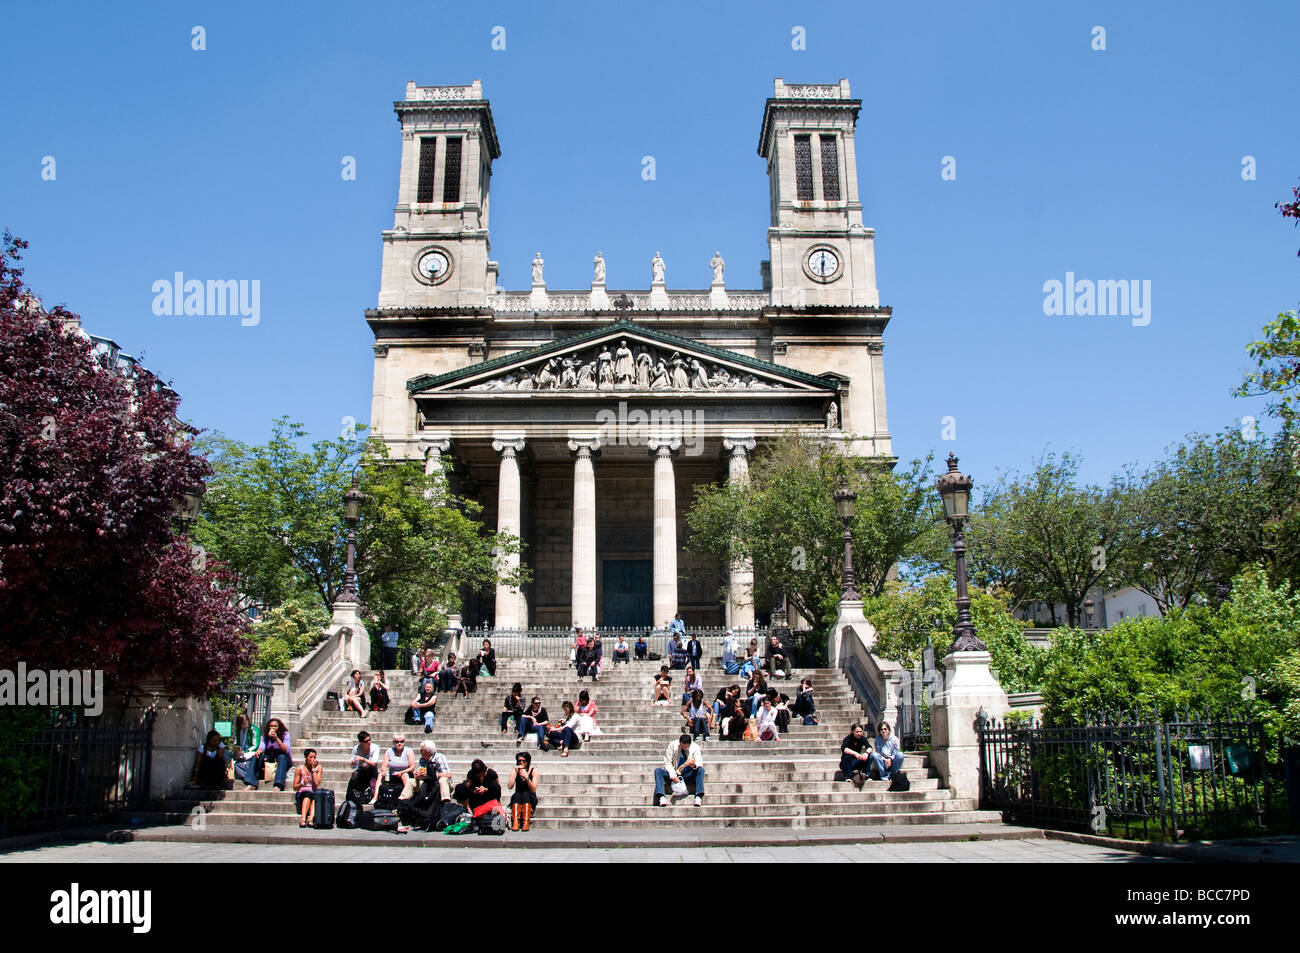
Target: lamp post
pixel 352 501
pixel 187 507
pixel 954 489
pixel 845 500
pixel 1087 612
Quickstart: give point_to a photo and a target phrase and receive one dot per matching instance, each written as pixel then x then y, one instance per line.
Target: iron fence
pixel 916 691
pixel 557 641
pixel 75 772
pixel 246 696
pixel 1196 776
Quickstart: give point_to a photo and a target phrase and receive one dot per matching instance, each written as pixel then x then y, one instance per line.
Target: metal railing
pixel 75 773
pixel 916 691
pixel 248 696
pixel 556 641
pixel 1195 776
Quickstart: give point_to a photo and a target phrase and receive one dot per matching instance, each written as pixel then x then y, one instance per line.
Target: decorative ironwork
pixel 428 156
pixel 830 169
pixel 1198 775
pixel 803 179
pixel 451 172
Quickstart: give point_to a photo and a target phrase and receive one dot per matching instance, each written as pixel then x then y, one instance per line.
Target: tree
pixel 908 618
pixel 784 522
pixel 92 461
pixel 1277 353
pixel 274 514
pixel 1212 506
pixel 1060 538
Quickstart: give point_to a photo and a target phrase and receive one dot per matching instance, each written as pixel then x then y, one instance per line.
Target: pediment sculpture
pixel 624 367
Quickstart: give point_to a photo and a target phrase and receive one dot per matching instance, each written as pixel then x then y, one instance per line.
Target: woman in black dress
pixel 523 781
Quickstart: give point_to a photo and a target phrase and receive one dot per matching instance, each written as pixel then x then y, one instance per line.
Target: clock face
pixel 823 263
pixel 433 265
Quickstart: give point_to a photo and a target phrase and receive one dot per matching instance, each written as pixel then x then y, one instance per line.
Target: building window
pixel 451 172
pixel 830 170
pixel 803 168
pixel 424 184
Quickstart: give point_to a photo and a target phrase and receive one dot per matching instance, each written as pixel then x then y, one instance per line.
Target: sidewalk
pixel 579 838
pixel 1255 850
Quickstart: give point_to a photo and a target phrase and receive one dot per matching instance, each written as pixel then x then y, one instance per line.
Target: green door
pixel 626 588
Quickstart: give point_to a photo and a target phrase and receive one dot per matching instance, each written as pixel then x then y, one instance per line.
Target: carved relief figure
pixel 605 365
pixel 569 375
pixel 587 376
pixel 680 380
pixel 644 367
pixel 698 377
pixel 833 417
pixel 660 380
pixel 624 369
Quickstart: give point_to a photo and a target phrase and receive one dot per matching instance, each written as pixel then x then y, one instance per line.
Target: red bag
pixel 488 808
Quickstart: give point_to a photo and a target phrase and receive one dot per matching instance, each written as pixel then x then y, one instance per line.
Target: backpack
pixel 379 820
pixel 349 815
pixel 389 792
pixel 900 783
pixel 449 814
pixel 492 822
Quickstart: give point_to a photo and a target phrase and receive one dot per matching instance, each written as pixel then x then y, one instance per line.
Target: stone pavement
pixel 998 851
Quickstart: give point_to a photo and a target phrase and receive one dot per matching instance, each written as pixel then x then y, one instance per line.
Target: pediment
pixel 624 358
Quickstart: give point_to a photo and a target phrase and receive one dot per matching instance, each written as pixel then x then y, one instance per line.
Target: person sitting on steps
pixel 523 781
pixel 467 678
pixel 533 718
pixel 561 734
pixel 588 660
pixel 663 687
pixel 246 737
pixel 586 712
pixel 379 692
pixel 480 792
pixel 682 761
pixel 306 782
pixel 398 766
pixel 734 722
pixel 778 658
pixel 210 762
pixel 424 708
pixel 887 759
pixel 766 726
pixel 782 708
pixel 698 716
pixel 855 756
pixel 433 770
pixel 726 695
pixel 487 658
pixel 677 653
pixel 621 653
pixel 803 705
pixel 275 746
pixel 364 762
pixel 640 648
pixel 690 683
pixel 354 693
pixel 512 707
pixel 447 674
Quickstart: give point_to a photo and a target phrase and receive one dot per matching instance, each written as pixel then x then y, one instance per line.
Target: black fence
pixel 1199 776
pixel 75 772
pixel 246 696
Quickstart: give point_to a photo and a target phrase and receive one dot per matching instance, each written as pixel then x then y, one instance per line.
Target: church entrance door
pixel 626 590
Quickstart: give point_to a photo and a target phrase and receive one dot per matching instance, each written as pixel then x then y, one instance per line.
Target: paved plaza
pixel 962 852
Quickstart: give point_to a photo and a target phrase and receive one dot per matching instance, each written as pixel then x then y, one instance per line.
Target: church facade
pixel 583 419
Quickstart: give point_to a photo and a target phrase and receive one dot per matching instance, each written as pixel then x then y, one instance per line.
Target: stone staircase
pixel 608 782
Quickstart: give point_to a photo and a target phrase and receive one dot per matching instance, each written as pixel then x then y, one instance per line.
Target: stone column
pixel 740 588
pixel 665 529
pixel 510 523
pixel 584 530
pixel 433 448
pixel 968 687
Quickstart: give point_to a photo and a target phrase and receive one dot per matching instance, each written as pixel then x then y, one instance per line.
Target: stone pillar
pixel 433 448
pixel 583 449
pixel 508 615
pixel 968 686
pixel 665 529
pixel 179 727
pixel 740 587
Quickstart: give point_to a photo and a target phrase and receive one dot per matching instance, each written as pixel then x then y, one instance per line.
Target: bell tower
pixel 436 254
pixel 821 254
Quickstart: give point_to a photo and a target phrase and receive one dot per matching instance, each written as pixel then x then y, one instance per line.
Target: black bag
pixel 389 792
pixel 379 820
pixel 324 819
pixel 448 814
pixel 349 815
pixel 655 657
pixel 900 783
pixel 330 702
pixel 493 822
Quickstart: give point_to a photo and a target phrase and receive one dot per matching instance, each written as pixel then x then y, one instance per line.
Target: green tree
pixel 785 522
pixel 1212 506
pixel 1057 539
pixel 273 515
pixel 908 618
pixel 288 631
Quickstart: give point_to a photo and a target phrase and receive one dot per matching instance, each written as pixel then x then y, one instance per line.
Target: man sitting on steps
pixel 682 761
pixel 855 756
pixel 887 759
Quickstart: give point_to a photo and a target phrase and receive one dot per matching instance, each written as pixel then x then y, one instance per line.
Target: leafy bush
pixel 288 632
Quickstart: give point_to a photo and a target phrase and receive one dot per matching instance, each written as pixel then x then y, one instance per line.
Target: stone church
pixel 584 419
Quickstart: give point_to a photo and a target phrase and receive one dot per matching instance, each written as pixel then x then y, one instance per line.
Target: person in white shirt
pixel 766 726
pixel 887 759
pixel 432 760
pixel 364 762
pixel 399 766
pixel 682 761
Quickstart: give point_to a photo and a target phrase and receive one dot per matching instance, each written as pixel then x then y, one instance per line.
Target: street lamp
pixel 844 506
pixel 187 507
pixel 954 489
pixel 352 501
pixel 1087 612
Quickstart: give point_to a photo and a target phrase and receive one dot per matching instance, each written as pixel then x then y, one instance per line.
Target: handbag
pixel 679 788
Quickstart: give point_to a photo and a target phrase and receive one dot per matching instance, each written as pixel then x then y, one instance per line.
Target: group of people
pixel 760 713
pixel 575 727
pixel 861 758
pixel 250 751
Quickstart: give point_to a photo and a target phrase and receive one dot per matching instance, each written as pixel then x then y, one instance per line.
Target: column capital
pixel 584 445
pixel 432 442
pixel 508 444
pixel 663 446
pixel 739 444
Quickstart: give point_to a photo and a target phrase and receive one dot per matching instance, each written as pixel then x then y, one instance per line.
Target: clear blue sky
pixel 1117 164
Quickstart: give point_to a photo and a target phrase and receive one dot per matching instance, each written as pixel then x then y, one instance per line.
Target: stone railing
pixel 523 301
pixel 297 693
